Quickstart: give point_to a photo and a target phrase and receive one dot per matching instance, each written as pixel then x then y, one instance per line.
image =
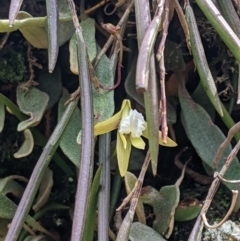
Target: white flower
pixel 134 123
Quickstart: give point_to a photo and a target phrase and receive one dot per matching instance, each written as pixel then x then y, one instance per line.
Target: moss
pixel 12 64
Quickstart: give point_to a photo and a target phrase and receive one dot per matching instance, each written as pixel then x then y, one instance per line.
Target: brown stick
pixel 160 58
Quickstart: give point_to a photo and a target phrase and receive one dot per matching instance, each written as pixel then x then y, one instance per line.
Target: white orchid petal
pixel 133 123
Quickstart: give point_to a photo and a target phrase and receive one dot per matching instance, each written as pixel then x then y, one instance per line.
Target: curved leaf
pixel 33 103
pixel 27 146
pixel 36 36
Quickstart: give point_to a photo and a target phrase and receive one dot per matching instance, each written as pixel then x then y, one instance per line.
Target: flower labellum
pixel 133 123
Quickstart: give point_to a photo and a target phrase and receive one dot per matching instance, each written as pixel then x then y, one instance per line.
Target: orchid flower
pixel 131 126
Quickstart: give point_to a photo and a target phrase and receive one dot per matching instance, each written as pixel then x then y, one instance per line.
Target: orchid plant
pixel 131 126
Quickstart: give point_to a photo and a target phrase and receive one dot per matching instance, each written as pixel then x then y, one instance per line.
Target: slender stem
pixel 160 57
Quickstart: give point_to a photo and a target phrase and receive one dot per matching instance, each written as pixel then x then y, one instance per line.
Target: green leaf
pixel 68 142
pixel 66 29
pixel 164 208
pixel 200 61
pixel 91 212
pixel 51 84
pixel 164 204
pixel 103 101
pixel 27 146
pixel 2 116
pixel 206 137
pixel 33 103
pixel 36 36
pixel 141 232
pixel 88 28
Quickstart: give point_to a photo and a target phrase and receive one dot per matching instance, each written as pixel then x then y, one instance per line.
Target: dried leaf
pixel 27 146
pixel 8 185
